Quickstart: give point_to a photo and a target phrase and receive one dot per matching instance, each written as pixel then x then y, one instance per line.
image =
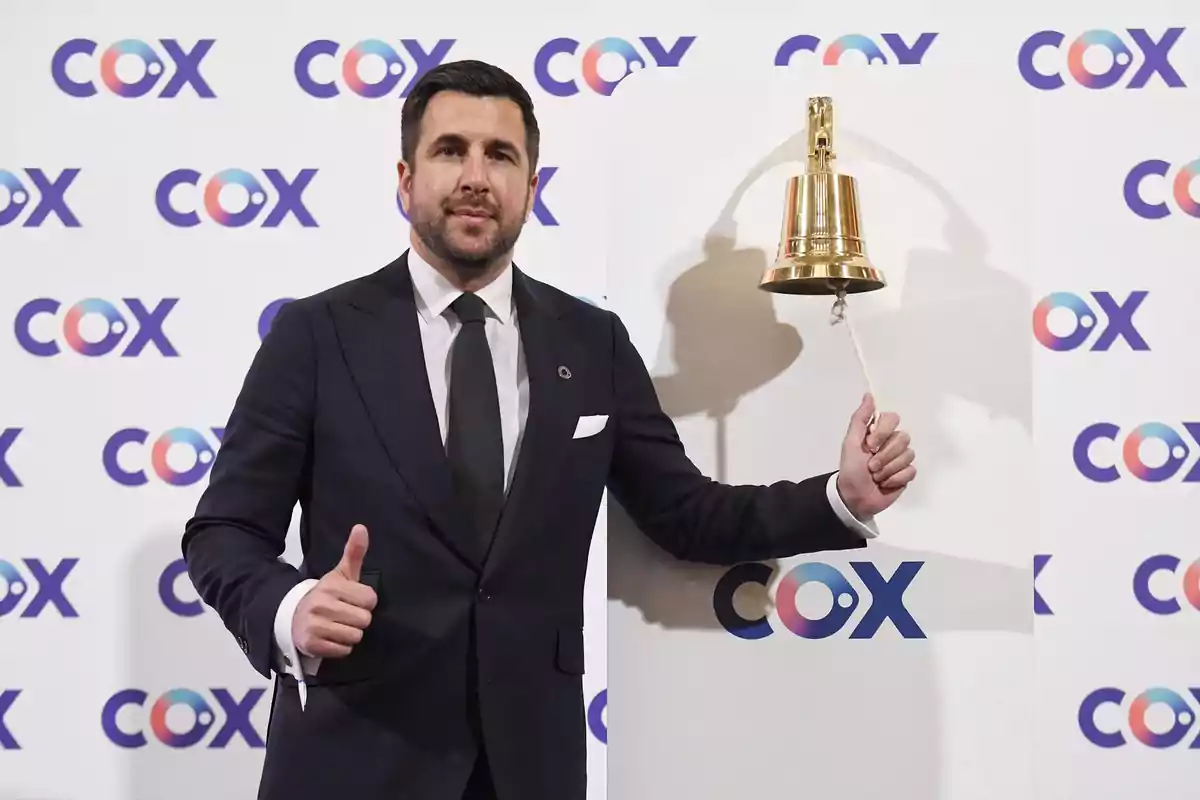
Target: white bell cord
pixel 839 315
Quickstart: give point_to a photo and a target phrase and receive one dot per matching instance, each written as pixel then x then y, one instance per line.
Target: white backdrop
pixel 982 194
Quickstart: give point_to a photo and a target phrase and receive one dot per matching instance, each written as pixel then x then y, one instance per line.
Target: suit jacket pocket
pixel 569 656
pixel 368 659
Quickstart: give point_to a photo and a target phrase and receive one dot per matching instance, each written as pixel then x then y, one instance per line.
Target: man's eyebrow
pixel 492 144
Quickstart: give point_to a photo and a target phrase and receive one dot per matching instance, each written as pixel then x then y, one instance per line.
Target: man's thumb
pixel 350 567
pixel 862 417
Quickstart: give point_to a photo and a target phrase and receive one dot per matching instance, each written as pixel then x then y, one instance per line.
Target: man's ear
pixel 533 186
pixel 404 183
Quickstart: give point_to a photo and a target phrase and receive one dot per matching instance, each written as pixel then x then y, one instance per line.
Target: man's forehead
pixel 475 117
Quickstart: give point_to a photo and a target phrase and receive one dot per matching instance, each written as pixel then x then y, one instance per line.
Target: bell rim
pixel 791 275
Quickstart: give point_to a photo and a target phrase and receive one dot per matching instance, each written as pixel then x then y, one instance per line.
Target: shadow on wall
pixel 180 644
pixel 718 315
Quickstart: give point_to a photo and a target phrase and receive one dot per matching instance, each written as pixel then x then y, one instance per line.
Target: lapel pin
pixel 564 373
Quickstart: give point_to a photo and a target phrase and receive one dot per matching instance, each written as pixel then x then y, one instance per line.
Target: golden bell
pixel 821 250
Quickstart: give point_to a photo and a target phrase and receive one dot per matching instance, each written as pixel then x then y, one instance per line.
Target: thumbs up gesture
pixel 330 619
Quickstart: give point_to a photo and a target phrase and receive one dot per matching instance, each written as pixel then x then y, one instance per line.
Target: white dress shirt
pixel 439 325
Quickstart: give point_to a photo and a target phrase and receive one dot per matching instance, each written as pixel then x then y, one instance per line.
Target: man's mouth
pixel 471 212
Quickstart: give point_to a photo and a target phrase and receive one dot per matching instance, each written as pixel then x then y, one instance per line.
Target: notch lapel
pixel 381 342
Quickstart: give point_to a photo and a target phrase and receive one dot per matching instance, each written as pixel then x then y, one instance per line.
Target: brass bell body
pixel 821 247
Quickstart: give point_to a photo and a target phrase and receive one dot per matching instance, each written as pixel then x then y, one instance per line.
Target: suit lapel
pixel 549 423
pixel 381 342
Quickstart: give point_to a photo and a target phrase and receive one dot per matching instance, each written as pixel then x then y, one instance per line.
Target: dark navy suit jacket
pixel 336 414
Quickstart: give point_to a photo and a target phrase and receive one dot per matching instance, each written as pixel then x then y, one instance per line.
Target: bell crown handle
pixel 820 134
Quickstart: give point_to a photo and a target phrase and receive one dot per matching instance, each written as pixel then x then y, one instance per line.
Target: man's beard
pixel 431 229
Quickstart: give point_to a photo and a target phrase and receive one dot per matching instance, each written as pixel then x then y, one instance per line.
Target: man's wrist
pixel 284 633
pixel 865 525
pixel 848 498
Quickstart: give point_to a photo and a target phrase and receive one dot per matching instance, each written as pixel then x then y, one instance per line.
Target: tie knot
pixel 469 307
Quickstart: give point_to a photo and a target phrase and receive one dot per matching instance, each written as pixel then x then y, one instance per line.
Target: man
pixel 448 426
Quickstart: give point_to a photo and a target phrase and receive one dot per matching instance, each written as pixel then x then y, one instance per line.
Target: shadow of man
pixel 219 705
pixel 726 342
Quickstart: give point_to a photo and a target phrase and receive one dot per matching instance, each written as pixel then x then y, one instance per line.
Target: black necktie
pixel 474 442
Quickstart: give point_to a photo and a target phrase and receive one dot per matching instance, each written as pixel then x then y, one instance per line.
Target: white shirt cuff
pixel 291 661
pixel 865 528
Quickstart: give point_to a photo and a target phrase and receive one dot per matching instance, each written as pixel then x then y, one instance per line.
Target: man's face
pixel 470 188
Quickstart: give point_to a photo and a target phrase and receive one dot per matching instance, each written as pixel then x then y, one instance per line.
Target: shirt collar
pixel 434 293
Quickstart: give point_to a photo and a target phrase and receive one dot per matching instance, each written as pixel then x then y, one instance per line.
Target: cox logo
pixel 51 197
pixel 659 53
pixel 203 454
pixel 8 476
pixel 1118 321
pixel 887 600
pixel 185 70
pixel 1131 455
pixel 237 721
pixel 166 591
pixel 1181 189
pixel 905 53
pixel 541 211
pixel 7 698
pixel 1184 716
pixel 395 67
pixel 1155 59
pixel 43 587
pixel 267 317
pixel 288 201
pixel 596 716
pixel 146 328
pixel 1168 605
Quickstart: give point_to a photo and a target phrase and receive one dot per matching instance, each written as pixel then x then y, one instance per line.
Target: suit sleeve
pixel 233 543
pixel 693 517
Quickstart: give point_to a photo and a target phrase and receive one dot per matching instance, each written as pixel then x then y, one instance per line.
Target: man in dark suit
pixel 448 426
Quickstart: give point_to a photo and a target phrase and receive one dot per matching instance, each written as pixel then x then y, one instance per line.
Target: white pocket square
pixel 590 425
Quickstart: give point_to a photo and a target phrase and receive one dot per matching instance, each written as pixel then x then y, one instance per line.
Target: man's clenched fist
pixel 331 617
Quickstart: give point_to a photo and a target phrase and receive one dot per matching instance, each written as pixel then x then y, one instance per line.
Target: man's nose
pixel 474 174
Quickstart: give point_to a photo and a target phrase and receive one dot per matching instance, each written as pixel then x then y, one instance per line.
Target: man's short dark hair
pixel 471 77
